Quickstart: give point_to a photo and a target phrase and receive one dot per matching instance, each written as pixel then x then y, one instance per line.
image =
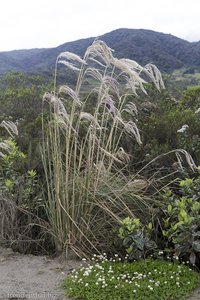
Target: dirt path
pixel 195 295
pixel 32 277
pixel 29 277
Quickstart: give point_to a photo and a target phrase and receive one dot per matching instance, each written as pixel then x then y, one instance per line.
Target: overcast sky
pixel 28 24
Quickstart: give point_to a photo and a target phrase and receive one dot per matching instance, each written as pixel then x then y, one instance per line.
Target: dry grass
pixel 83 155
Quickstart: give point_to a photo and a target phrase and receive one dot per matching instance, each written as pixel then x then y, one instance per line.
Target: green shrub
pixel 162 133
pixel 162 126
pixel 182 221
pixel 175 230
pixel 137 238
pixel 191 97
pixel 22 215
pixel 20 101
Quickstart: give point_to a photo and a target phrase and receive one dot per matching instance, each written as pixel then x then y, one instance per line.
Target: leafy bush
pixel 22 215
pixel 20 184
pixel 175 230
pixel 182 221
pixel 137 238
pixel 20 102
pixel 191 97
pixel 161 126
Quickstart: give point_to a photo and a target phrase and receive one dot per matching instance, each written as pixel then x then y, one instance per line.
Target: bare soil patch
pixel 32 277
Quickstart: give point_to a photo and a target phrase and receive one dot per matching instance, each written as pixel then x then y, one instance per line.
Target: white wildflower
pixel 183 128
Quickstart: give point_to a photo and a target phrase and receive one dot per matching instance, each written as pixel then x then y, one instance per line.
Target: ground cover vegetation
pixel 108 164
pixel 144 279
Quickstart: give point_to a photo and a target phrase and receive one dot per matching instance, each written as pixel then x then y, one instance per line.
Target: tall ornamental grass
pixel 89 186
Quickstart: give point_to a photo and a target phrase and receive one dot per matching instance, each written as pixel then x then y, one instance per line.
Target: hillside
pixel 166 51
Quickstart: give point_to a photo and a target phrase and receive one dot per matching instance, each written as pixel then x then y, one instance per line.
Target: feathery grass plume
pixel 89 117
pixel 71 61
pixel 131 109
pixel 69 65
pixel 132 64
pixel 73 95
pixel 4 146
pixel 155 75
pixel 112 83
pixel 182 157
pixel 188 159
pixel 132 128
pixel 83 154
pixel 132 77
pixel 123 156
pixel 108 102
pixel 92 72
pixel 71 56
pixel 100 50
pixel 56 103
pixel 134 83
pixel 12 130
pixel 68 58
pixel 10 127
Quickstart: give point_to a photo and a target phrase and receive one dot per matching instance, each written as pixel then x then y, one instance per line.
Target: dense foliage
pixel 107 164
pixel 160 117
pixel 169 123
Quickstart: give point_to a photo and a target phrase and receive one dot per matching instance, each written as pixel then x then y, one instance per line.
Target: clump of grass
pixel 147 279
pixel 83 154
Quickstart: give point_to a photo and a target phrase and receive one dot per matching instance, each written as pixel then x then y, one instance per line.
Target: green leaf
pixel 129 250
pixel 121 232
pixel 139 243
pixel 196 246
pixel 169 208
pixel 150 226
pixel 192 258
pixel 127 241
pixel 188 182
pixel 196 234
pixel 151 245
pixel 182 215
pixel 31 173
pixel 175 226
pixel 131 227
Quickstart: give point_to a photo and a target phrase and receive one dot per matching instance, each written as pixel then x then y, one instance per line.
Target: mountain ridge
pixel 166 51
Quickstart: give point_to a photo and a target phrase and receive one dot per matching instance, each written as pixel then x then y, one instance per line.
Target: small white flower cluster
pixel 101 272
pixel 183 128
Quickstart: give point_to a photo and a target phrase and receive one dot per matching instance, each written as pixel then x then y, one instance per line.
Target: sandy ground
pixel 195 295
pixel 29 277
pixel 32 277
